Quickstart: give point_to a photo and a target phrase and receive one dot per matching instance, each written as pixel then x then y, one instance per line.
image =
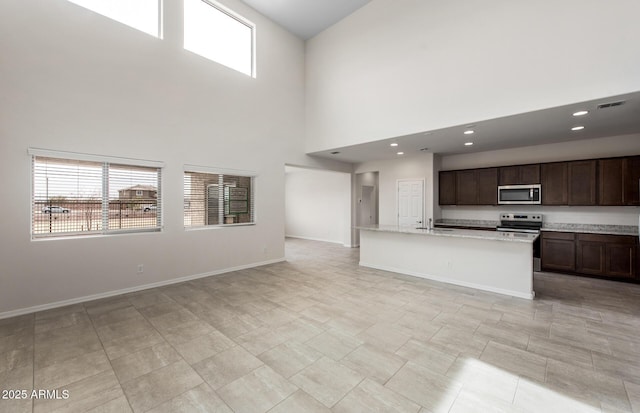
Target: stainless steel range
pixel 524 222
pixel 520 222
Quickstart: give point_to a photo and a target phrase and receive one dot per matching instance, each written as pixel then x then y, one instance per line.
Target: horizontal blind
pixel 67 196
pixel 78 197
pixel 218 199
pixel 133 198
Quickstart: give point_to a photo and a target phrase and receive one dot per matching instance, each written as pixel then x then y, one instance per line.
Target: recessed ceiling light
pixel 581 113
pixel 394 144
pixel 577 128
pixel 469 132
pixel 400 153
pixel 468 144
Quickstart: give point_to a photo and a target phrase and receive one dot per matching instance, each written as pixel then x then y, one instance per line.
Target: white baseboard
pixel 43 307
pixel 450 281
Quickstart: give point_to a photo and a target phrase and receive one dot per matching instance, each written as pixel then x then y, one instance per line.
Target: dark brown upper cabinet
pixel 519 174
pixel 487 186
pixel 466 187
pixel 477 187
pixel 582 182
pixel 631 172
pixel 611 181
pixel 447 188
pixel 554 183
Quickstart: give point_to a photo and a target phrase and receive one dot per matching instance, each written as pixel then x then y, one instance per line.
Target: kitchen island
pixel 500 262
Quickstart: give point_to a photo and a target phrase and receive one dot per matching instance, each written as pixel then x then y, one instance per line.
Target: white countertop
pixel 456 233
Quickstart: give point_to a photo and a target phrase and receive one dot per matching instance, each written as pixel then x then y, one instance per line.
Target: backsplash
pixel 625 216
pixel 593 228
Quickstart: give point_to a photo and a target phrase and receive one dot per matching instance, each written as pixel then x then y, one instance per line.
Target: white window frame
pixel 158 33
pixel 224 171
pixel 241 19
pixel 105 160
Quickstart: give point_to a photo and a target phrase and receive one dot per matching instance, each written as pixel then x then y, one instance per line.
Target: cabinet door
pixel 591 257
pixel 621 260
pixel 487 186
pixel 447 188
pixel 610 182
pixel 530 174
pixel 582 182
pixel 509 175
pixel 558 251
pixel 466 188
pixel 554 183
pixel 632 180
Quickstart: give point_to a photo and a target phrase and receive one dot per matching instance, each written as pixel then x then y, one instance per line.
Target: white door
pixel 410 203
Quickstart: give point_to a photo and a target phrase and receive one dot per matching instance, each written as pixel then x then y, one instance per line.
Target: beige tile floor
pixel 318 333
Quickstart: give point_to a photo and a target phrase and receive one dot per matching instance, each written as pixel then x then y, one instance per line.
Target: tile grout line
pixel 181 357
pixel 108 359
pixel 33 363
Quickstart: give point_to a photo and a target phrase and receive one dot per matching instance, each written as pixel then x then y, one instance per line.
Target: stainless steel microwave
pixel 519 194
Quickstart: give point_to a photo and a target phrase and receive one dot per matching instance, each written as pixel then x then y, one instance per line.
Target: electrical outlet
pixel 264 249
pixel 140 268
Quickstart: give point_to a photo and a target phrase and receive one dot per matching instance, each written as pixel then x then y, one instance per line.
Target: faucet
pixel 430 224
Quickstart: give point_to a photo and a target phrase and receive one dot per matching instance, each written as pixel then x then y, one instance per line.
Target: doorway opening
pixel 318 205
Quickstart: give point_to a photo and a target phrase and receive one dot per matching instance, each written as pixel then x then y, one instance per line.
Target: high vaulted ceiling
pixel 306 18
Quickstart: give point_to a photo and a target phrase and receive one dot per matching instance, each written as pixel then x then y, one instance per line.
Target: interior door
pixel 410 203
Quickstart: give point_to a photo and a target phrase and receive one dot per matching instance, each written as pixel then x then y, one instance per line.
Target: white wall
pixel 390 171
pixel 585 149
pixel 400 67
pixel 318 205
pixel 73 80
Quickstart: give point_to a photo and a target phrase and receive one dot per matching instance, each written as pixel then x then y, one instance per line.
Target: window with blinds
pixel 218 199
pixel 93 196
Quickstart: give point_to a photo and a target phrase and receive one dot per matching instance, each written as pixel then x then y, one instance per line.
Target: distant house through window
pixel 76 194
pixel 144 15
pixel 217 33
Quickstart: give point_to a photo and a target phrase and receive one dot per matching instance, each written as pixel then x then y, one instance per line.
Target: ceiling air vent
pixel 611 104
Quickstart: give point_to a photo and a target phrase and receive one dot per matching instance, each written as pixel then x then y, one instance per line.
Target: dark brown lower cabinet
pixel 621 260
pixel 613 256
pixel 558 251
pixel 590 255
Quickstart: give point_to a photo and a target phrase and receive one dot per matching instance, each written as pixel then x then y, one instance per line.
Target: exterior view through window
pixel 218 34
pixel 144 15
pixel 217 199
pixel 78 197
